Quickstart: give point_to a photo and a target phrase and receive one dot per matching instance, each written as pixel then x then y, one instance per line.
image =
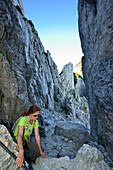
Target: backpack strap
pixel 27 126
pixel 16 123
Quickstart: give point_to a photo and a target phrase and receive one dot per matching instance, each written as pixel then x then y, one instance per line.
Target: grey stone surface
pixel 96 34
pixel 80 87
pixel 67 78
pixel 75 133
pixel 87 158
pixel 28 74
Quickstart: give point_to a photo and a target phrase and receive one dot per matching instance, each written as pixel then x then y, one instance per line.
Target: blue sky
pixel 57 24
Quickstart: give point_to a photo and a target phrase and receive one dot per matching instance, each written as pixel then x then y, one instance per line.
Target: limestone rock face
pixel 96 34
pixel 6 162
pixel 80 87
pixel 67 76
pixel 19 3
pixel 28 74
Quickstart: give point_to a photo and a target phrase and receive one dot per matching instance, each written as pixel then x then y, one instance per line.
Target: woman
pixel 21 134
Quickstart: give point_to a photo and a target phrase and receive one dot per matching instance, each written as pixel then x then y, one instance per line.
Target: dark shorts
pixel 31 151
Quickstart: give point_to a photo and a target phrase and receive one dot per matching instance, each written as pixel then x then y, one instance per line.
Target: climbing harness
pixel 26 128
pixel 12 155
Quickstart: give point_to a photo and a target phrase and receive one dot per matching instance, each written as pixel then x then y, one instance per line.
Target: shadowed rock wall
pixel 96 34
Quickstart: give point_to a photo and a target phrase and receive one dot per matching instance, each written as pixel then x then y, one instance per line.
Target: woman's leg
pixel 33 147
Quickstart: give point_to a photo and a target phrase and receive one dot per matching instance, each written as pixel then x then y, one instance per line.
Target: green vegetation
pixel 19 9
pixel 1 51
pixel 79 65
pixel 76 100
pixel 76 75
pixel 28 85
pixel 15 73
pixel 79 69
pixel 65 110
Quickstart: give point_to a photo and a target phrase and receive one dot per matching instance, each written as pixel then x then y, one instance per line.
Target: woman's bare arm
pixel 20 157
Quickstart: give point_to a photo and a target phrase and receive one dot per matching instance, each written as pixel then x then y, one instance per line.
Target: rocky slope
pixel 88 157
pixel 96 34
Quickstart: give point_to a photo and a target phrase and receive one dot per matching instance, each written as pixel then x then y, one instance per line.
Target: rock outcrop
pixel 19 3
pixel 96 34
pixel 67 77
pixel 88 157
pixel 28 73
pixel 80 87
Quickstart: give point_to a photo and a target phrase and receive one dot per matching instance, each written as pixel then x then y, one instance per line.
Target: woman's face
pixel 35 115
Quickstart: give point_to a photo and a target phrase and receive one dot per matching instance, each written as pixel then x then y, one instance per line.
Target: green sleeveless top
pixel 27 131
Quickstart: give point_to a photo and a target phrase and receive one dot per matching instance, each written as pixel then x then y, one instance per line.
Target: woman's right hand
pixel 20 158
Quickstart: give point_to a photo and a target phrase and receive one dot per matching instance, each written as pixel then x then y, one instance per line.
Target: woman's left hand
pixel 43 155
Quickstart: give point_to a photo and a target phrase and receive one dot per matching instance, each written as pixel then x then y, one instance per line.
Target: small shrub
pixel 1 51
pixel 15 73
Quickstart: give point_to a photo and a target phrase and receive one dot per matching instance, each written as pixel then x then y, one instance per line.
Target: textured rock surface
pixel 28 74
pixel 96 33
pixel 60 135
pixel 67 76
pixel 88 157
pixel 74 131
pixel 19 3
pixel 64 136
pixel 6 162
pixel 28 71
pixel 80 87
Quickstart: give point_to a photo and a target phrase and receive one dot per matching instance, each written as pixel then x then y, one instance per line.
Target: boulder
pixel 87 158
pixel 75 133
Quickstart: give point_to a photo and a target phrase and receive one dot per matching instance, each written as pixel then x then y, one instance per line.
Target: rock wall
pixel 19 3
pixel 27 73
pixel 96 34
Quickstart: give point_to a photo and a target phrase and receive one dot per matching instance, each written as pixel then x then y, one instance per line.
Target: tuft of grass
pixel 1 51
pixel 15 73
